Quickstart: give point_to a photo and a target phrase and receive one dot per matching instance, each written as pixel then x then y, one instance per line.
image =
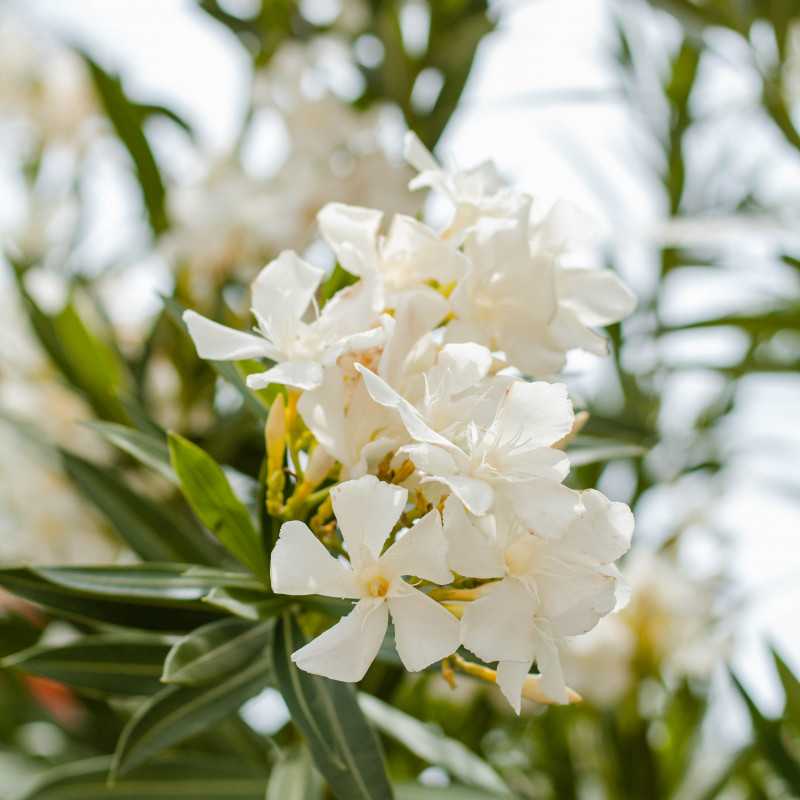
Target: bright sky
pixel 169 52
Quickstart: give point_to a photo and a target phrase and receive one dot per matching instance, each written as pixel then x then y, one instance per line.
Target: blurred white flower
pixel 366 512
pixel 281 296
pixel 551 586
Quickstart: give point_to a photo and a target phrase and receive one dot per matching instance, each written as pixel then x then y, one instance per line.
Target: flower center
pixel 377 586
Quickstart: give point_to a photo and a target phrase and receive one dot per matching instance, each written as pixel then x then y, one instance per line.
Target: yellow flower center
pixel 377 586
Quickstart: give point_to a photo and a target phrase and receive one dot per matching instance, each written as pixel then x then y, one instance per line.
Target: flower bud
pixel 319 465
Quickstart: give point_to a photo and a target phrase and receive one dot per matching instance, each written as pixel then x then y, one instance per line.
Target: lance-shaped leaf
pixel 215 650
pixel 247 604
pixel 144 447
pixel 175 777
pixel 126 118
pixel 418 791
pixel 431 746
pixel 581 456
pixel 104 665
pixel 61 594
pixel 152 531
pixel 294 778
pixel 178 712
pixel 213 501
pixel 345 749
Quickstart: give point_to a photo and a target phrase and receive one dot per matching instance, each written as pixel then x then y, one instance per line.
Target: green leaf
pixel 246 603
pixel 153 531
pixel 179 776
pixel 581 456
pixel 215 650
pixel 126 119
pixel 210 495
pixel 149 450
pixel 294 778
pixel 769 740
pixel 431 746
pixel 146 612
pixel 791 688
pixel 178 712
pixel 416 791
pixel 345 749
pixel 105 665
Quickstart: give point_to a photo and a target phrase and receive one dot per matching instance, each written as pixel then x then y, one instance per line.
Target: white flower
pixel 504 457
pixel 366 512
pixel 519 298
pixel 475 193
pixel 282 294
pixel 551 586
pixel 409 256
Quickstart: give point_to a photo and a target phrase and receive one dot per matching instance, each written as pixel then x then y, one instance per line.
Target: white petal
pixel 538 414
pixel 539 462
pixel 323 411
pixel 465 365
pixel 221 343
pixel 300 564
pixel 417 428
pixel 366 511
pixel 424 631
pixel 352 233
pixel 470 551
pixel 476 495
pixel 298 374
pixel 416 154
pixel 597 295
pixel 547 508
pixel 421 551
pixel 500 625
pixel 548 661
pixel 345 651
pixel 511 676
pixel 570 332
pixel 284 288
pixel 603 529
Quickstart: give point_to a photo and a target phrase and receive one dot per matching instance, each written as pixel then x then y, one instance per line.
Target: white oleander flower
pixel 410 255
pixel 505 460
pixel 550 586
pixel 366 511
pixel 518 297
pixel 282 294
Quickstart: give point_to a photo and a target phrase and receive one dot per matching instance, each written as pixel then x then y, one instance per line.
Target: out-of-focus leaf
pixel 178 712
pixel 345 749
pixel 143 612
pixel 215 650
pixel 151 530
pixel 149 450
pixel 417 791
pixel 294 778
pixel 210 495
pixel 340 278
pixel 581 456
pixel 791 688
pixel 431 746
pixel 180 776
pixel 126 119
pixel 105 665
pixel 769 741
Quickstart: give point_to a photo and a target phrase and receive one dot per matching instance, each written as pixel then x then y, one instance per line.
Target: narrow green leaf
pixel 179 776
pixel 126 118
pixel 213 501
pixel 294 778
pixel 149 450
pixel 416 791
pixel 345 749
pixel 581 456
pixel 431 746
pixel 246 603
pixel 105 665
pixel 791 688
pixel 215 650
pixel 153 531
pixel 152 612
pixel 178 712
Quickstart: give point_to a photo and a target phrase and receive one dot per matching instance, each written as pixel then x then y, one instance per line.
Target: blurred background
pixel 173 147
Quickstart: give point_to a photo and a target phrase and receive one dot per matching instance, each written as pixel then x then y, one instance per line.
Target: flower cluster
pixel 420 400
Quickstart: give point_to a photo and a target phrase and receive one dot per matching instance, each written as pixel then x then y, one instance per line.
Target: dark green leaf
pixel 294 778
pixel 153 531
pixel 247 603
pixel 345 749
pixel 180 776
pixel 215 650
pixel 210 495
pixel 432 746
pixel 178 712
pixel 142 612
pixel 791 688
pixel 126 119
pixel 106 665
